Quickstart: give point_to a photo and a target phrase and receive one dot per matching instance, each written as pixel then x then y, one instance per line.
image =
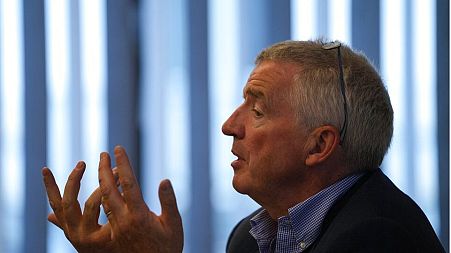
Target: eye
pixel 257 113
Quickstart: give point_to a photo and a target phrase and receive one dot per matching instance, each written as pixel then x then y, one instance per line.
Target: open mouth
pixel 236 163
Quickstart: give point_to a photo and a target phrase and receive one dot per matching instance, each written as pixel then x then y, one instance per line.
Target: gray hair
pixel 319 101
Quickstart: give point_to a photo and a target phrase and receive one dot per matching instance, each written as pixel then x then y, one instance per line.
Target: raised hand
pixel 134 228
pixel 82 229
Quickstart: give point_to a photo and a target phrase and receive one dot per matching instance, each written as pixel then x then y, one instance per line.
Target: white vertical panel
pixel 58 86
pixel 392 70
pixel 424 92
pixel 57 48
pixel 93 90
pixel 339 26
pixel 303 19
pixel 12 126
pixel 150 100
pixel 225 85
pixel 176 148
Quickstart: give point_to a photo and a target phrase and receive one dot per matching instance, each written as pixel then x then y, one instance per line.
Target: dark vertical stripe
pixel 253 28
pixel 35 210
pixel 409 132
pixel 122 77
pixel 263 23
pixel 322 19
pixel 442 19
pixel 279 17
pixel 365 28
pixel 75 81
pixel 200 230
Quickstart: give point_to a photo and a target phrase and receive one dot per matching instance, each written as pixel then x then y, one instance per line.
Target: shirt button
pixel 302 245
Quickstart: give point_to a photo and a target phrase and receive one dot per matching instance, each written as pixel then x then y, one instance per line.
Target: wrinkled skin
pixel 131 226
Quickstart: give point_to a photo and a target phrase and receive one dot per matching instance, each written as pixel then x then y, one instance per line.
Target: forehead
pixel 270 77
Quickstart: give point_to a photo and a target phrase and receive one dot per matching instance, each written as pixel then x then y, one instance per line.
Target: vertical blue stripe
pixel 35 209
pixel 122 77
pixel 322 19
pixel 442 40
pixel 365 29
pixel 75 81
pixel 264 22
pixel 279 17
pixel 199 231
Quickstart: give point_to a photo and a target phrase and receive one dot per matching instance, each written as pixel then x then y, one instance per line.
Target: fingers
pixel 71 207
pixel 130 187
pixel 53 193
pixel 91 210
pixel 169 210
pixel 111 198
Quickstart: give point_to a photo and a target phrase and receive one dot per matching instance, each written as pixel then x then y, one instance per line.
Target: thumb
pixel 169 210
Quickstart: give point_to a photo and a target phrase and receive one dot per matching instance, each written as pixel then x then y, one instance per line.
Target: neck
pixel 281 198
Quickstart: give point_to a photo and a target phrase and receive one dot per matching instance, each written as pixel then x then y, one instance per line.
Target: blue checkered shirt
pixel 296 231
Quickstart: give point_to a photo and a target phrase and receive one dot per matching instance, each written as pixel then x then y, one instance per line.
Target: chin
pixel 239 185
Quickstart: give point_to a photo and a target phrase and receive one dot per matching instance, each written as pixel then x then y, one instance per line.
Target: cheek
pixel 276 149
pixel 262 153
pixel 258 144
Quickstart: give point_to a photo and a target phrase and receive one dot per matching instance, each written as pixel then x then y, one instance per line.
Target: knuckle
pixel 90 206
pixel 105 190
pixel 127 183
pixel 67 203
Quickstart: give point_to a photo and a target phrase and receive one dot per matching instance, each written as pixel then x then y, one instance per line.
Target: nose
pixel 233 126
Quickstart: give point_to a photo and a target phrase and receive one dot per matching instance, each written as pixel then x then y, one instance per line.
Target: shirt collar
pixel 306 217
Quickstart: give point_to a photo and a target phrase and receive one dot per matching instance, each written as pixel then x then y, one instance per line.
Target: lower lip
pixel 237 163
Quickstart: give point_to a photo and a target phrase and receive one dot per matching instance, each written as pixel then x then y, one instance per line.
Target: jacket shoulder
pixel 374 213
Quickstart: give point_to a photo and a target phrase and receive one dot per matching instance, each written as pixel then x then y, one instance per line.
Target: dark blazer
pixel 373 216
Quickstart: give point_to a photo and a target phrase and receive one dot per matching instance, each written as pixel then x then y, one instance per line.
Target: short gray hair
pixel 319 101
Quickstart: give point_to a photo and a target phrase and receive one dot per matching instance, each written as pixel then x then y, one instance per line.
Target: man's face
pixel 268 142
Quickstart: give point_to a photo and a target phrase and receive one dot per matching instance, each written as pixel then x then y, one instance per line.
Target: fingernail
pixel 117 149
pixel 166 186
pixel 103 155
pixel 80 165
pixel 45 171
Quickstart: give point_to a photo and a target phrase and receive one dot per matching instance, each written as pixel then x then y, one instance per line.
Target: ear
pixel 322 143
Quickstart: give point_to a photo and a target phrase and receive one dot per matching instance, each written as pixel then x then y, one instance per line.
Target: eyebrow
pixel 253 92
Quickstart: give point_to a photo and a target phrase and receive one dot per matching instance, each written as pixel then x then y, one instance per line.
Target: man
pixel 314 126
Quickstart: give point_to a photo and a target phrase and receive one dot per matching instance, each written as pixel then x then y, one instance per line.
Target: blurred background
pixel 159 77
